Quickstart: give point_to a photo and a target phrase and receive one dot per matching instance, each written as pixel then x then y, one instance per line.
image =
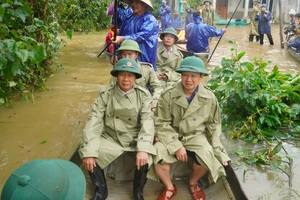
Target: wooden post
pixel 280 19
pixel 246 10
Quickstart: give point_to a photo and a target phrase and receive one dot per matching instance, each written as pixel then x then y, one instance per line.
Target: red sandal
pixel 197 193
pixel 164 196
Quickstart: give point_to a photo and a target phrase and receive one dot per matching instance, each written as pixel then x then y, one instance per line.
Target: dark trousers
pixel 261 38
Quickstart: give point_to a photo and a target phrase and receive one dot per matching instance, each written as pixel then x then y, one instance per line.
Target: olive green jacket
pixel 195 126
pixel 148 80
pixel 254 24
pixel 118 123
pixel 168 64
pixel 208 16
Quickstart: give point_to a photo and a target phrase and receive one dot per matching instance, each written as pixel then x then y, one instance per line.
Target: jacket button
pixel 129 119
pixel 117 117
pixel 86 142
pixel 194 119
pixel 173 137
pixel 194 133
pixel 142 138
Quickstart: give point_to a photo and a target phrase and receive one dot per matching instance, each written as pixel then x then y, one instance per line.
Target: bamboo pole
pixel 246 10
pixel 280 19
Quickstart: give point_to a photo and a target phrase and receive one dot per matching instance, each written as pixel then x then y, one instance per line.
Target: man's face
pixel 138 7
pixel 168 39
pixel 190 80
pixel 207 4
pixel 126 80
pixel 263 8
pixel 129 54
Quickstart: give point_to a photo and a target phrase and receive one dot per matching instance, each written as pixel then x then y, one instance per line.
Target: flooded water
pixel 50 126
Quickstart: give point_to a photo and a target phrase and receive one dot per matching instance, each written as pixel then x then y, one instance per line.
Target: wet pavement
pixel 50 125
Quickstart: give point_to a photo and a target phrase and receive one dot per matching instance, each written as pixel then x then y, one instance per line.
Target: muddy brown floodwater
pixel 50 126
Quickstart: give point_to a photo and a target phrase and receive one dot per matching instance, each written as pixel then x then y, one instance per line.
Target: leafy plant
pixel 256 103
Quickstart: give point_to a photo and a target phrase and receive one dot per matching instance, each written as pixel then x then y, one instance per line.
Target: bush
pixel 256 103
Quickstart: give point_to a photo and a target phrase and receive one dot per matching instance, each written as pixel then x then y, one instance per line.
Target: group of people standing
pixel 260 23
pixel 293 30
pixel 154 114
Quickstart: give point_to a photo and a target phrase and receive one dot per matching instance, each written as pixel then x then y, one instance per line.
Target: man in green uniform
pixel 208 14
pixel 254 24
pixel 121 123
pixel 130 49
pixel 168 58
pixel 188 128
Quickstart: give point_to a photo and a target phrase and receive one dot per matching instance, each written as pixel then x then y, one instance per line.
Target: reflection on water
pixel 51 126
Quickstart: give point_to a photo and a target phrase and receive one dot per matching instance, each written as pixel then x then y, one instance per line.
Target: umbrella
pixel 110 9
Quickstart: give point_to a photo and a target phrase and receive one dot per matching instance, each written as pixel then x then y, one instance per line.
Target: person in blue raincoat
pixel 142 27
pixel 198 34
pixel 189 15
pixel 264 27
pixel 123 12
pixel 165 14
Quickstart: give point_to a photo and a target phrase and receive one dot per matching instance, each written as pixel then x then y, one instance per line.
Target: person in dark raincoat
pixel 142 27
pixel 123 11
pixel 264 27
pixel 188 128
pixel 165 15
pixel 189 15
pixel 120 124
pixel 198 34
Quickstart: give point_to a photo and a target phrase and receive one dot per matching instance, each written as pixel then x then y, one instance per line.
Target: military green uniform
pixel 119 123
pixel 196 126
pixel 208 16
pixel 168 64
pixel 254 24
pixel 148 80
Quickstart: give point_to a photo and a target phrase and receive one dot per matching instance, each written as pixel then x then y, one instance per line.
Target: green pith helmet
pixel 192 64
pixel 126 65
pixel 171 31
pixel 207 1
pixel 130 45
pixel 258 1
pixel 44 180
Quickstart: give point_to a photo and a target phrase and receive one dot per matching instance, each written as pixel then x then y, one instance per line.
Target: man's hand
pixel 164 76
pixel 224 30
pixel 181 155
pixel 141 159
pixel 118 40
pixel 89 163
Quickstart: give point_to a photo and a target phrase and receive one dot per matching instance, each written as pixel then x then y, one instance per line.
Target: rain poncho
pixel 144 30
pixel 123 12
pixel 165 14
pixel 188 18
pixel 198 34
pixel 264 26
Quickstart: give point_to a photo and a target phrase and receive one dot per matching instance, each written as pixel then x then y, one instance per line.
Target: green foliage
pixel 82 15
pixel 194 4
pixel 29 43
pixel 256 103
pixel 27 46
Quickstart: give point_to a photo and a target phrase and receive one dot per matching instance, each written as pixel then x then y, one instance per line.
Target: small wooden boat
pixel 293 52
pixel 228 188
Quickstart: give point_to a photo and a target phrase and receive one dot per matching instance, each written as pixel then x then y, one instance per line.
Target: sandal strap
pixel 164 196
pixel 197 193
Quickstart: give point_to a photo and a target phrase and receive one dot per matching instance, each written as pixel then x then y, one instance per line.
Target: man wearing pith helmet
pixel 130 49
pixel 119 127
pixel 142 27
pixel 168 58
pixel 208 14
pixel 188 127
